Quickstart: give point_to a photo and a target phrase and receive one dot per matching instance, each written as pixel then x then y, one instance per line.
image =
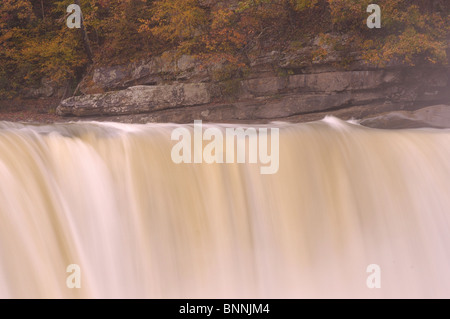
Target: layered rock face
pixel 136 99
pixel 275 87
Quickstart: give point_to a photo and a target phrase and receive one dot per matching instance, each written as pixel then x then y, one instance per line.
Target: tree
pixel 85 37
pixel 36 43
pixel 412 32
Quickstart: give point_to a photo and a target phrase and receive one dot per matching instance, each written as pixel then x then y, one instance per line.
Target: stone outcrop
pixel 137 99
pixel 159 70
pixel 437 116
pixel 46 89
pixel 277 85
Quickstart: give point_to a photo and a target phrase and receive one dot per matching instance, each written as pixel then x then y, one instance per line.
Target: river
pixel 109 198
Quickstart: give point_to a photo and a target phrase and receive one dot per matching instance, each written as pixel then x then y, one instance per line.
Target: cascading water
pixel 109 198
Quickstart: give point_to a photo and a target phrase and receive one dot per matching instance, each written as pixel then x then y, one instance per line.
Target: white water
pixel 108 198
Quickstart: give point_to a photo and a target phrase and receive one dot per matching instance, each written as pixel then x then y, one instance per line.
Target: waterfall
pixel 109 198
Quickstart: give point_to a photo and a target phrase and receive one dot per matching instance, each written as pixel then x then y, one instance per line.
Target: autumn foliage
pixel 35 41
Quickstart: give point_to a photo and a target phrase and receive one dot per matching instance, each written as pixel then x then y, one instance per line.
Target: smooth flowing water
pixel 109 198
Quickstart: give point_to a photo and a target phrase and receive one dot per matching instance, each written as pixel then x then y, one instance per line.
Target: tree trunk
pixel 84 35
pixel 290 12
pixel 42 9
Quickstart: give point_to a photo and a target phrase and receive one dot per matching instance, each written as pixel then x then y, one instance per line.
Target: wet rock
pixel 437 116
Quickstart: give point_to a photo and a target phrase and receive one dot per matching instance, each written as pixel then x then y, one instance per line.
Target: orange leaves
pixel 224 34
pixel 409 34
pixel 193 29
pixel 303 4
pixel 413 31
pixel 33 47
pixel 15 13
pixel 174 20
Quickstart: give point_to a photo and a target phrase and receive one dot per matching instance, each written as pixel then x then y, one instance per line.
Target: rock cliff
pixel 275 86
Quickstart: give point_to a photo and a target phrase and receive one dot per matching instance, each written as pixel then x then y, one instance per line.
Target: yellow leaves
pixel 409 47
pixel 408 34
pixel 303 4
pixel 174 20
pixel 122 30
pixel 15 13
pixel 57 57
pixel 319 54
